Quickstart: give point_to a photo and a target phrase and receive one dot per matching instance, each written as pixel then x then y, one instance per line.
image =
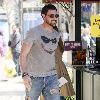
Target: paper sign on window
pixel 95 26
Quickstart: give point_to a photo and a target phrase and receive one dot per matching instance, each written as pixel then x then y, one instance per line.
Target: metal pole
pixel 78 38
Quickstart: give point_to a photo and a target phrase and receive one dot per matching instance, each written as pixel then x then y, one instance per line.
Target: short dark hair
pixel 48 7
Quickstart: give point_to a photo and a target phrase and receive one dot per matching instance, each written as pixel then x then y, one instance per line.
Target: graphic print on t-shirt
pixel 47 42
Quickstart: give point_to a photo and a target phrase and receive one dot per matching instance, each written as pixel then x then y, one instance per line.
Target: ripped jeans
pixel 49 86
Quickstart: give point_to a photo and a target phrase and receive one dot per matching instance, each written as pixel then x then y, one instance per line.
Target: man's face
pixel 51 17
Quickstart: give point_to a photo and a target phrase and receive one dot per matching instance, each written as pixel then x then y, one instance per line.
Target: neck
pixel 47 27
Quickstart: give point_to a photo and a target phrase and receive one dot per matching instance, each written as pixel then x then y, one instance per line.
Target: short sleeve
pixel 30 37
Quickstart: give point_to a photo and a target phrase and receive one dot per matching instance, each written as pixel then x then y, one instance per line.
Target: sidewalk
pixel 13 89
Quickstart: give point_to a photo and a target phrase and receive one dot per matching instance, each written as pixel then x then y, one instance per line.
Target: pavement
pixel 13 89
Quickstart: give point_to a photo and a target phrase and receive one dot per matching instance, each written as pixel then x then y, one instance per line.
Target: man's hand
pixel 27 82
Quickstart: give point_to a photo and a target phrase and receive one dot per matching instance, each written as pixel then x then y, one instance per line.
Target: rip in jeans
pixel 54 91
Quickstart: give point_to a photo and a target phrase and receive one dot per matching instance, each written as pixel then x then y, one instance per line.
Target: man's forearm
pixel 23 63
pixel 23 56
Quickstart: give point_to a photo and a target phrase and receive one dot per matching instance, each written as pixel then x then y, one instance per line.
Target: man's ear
pixel 43 16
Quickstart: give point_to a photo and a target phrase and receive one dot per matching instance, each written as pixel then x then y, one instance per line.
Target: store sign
pixel 72 45
pixel 54 1
pixel 95 26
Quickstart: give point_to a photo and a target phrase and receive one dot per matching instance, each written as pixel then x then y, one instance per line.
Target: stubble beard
pixel 53 23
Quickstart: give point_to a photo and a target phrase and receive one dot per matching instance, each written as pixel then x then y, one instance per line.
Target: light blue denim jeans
pixel 49 86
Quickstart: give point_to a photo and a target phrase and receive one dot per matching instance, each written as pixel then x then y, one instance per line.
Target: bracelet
pixel 24 74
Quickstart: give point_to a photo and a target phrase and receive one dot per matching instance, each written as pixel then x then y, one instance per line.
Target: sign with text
pixel 72 45
pixel 95 26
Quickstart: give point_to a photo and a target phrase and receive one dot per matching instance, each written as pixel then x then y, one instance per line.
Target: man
pixel 16 46
pixel 37 59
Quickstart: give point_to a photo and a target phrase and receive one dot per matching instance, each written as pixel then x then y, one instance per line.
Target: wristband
pixel 24 74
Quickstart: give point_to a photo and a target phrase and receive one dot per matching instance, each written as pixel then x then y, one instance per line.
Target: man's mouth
pixel 54 21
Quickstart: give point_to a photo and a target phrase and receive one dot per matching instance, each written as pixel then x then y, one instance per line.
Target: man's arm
pixel 23 59
pixel 23 55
